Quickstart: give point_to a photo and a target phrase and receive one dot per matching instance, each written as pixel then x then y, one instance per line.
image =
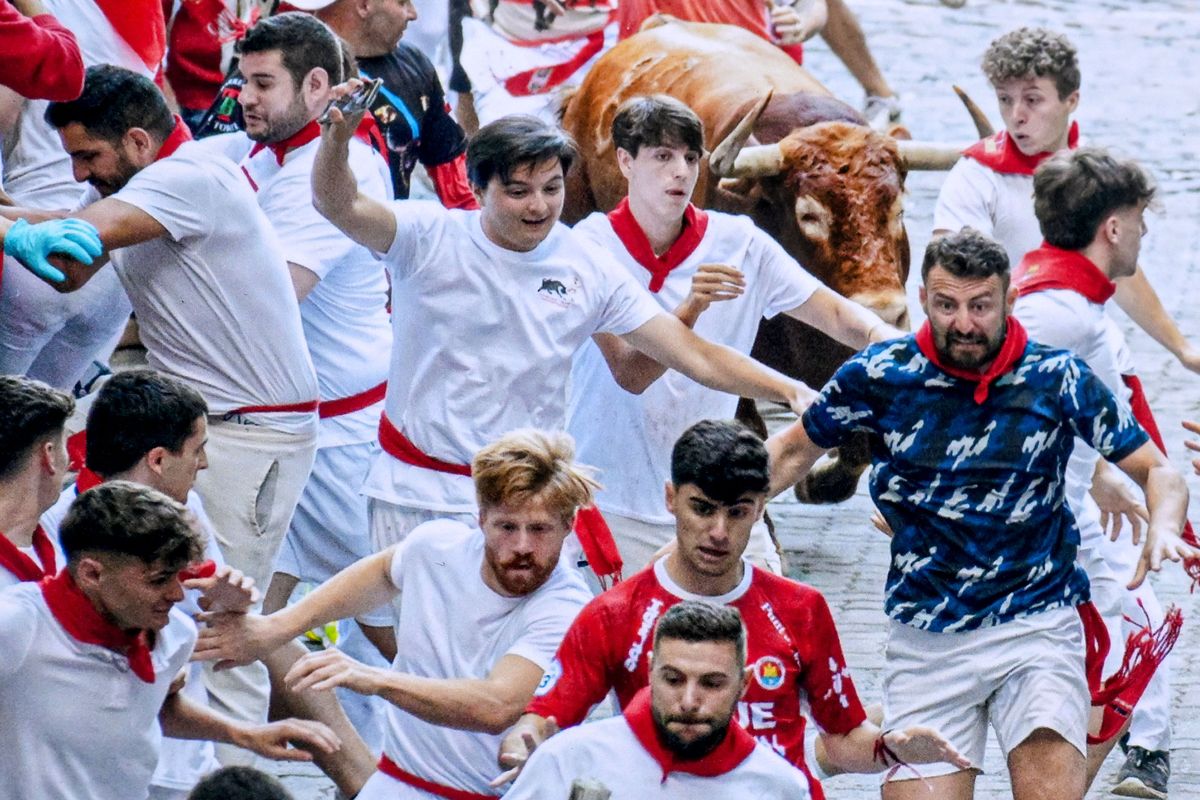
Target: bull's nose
pixel 892 307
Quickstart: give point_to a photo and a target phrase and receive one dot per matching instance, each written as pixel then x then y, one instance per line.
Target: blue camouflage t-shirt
pixel 974 492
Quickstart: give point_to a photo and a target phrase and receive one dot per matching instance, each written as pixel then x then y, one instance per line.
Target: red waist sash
pixel 389 768
pixel 355 402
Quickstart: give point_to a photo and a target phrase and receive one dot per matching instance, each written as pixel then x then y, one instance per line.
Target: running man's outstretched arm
pixel 335 189
pixel 1167 502
pixel 792 454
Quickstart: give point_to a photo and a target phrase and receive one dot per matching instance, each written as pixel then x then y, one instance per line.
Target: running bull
pixel 801 163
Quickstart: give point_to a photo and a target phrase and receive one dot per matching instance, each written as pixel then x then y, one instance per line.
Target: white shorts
pixel 638 541
pixel 329 530
pixel 1019 676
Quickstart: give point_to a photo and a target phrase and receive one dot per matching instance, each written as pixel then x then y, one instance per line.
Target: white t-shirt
pixel 37 171
pixel 609 752
pixel 1067 319
pixel 9 579
pixel 484 338
pixel 345 315
pixel 181 762
pixel 997 205
pixel 78 724
pixel 630 437
pixel 450 624
pixel 213 297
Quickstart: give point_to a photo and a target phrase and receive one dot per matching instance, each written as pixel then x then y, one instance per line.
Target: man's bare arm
pixel 490 704
pixel 1137 298
pixel 1166 500
pixel 792 455
pixel 671 343
pixel 335 189
pixel 844 320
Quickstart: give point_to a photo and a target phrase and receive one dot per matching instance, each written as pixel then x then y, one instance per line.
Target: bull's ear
pixel 739 195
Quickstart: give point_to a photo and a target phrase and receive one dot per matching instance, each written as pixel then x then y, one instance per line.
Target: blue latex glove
pixel 31 244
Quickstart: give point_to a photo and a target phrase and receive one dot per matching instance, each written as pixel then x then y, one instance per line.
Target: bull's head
pixel 843 184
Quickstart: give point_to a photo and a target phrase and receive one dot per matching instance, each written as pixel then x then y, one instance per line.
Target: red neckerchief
pixel 735 748
pixel 999 154
pixel 80 619
pixel 142 25
pixel 366 132
pixel 21 565
pixel 1051 267
pixel 1010 353
pixel 695 223
pixel 178 135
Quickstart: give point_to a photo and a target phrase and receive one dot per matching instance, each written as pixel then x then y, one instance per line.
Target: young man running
pixel 719 479
pixel 720 275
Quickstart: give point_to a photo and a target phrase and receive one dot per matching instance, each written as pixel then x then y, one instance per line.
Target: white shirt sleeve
pixel 308 239
pixel 546 624
pixel 967 198
pixel 787 285
pixel 627 306
pixel 16 632
pixel 419 223
pixel 180 197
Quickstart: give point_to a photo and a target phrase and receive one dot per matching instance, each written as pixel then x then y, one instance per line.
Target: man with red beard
pixel 484 608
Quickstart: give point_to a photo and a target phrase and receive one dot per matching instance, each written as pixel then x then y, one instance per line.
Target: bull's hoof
pixel 827 484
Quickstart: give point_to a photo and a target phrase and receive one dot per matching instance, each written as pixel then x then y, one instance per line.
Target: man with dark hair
pixel 342 288
pixel 718 487
pixel 150 429
pixel 103 642
pixel 720 275
pixel 678 736
pixel 1091 207
pixel 480 608
pixel 179 225
pixel 973 426
pixel 33 463
pixel 494 303
pixel 239 783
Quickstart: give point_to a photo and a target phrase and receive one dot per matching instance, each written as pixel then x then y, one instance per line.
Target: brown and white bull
pixel 825 185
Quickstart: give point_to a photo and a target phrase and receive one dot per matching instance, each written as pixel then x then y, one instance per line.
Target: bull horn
pixel 928 156
pixel 731 159
pixel 982 124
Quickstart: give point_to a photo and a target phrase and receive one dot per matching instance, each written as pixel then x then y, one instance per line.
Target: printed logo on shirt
pixel 770 672
pixel 549 678
pixel 649 617
pixel 558 293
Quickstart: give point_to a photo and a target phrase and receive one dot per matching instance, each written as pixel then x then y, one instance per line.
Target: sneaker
pixel 1145 774
pixel 882 112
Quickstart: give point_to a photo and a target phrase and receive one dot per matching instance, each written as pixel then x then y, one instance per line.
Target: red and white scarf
pixel 695 223
pixel 80 619
pixel 1015 340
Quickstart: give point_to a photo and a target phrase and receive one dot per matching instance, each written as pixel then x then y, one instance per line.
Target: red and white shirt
pixel 625 755
pixel 792 647
pixel 629 437
pixel 484 338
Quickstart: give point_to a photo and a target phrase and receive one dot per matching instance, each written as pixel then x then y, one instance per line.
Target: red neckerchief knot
pixel 695 223
pixel 1015 340
pixel 21 565
pixel 80 619
pixel 735 748
pixel 1000 154
pixel 1050 267
pixel 366 132
pixel 179 134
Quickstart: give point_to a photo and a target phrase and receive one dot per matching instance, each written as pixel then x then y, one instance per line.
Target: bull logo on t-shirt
pixel 558 293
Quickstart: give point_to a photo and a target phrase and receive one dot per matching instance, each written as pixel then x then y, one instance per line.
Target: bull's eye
pixel 809 218
pixel 843 169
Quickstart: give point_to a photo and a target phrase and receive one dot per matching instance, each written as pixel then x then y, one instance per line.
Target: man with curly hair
pixel 1036 75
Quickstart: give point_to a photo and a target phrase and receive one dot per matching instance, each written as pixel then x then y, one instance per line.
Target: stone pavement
pixel 1139 63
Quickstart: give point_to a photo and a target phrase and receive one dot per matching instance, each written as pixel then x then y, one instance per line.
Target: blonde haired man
pixel 484 611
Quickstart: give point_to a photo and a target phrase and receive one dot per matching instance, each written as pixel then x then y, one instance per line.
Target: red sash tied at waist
pixel 287 408
pixel 590 528
pixel 355 402
pixel 389 768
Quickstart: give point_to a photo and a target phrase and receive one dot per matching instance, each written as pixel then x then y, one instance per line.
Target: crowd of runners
pixel 422 485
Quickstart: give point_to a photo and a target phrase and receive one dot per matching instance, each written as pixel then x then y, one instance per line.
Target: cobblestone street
pixel 1139 96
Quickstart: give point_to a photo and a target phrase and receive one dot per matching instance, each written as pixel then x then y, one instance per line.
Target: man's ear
pixel 624 161
pixel 316 82
pixel 747 676
pixel 46 456
pixel 87 573
pixel 141 142
pixel 1010 299
pixel 1072 101
pixel 154 459
pixel 669 496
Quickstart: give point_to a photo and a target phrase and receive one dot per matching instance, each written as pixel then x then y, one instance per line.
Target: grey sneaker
pixel 1145 774
pixel 882 112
